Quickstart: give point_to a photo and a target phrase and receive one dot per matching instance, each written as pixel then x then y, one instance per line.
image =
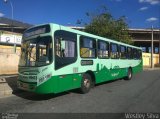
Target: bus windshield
pixel 36 52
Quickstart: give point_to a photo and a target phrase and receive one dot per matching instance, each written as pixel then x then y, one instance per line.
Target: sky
pixel 138 13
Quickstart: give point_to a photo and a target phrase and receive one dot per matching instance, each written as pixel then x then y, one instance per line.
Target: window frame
pixel 98 48
pixel 94 46
pixel 117 56
pixel 135 53
pixel 128 56
pixel 125 53
pixel 139 54
pixel 65 61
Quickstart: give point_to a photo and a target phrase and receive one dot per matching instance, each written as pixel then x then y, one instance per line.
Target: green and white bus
pixel 56 58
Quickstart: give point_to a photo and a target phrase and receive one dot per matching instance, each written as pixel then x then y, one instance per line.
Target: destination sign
pixel 37 30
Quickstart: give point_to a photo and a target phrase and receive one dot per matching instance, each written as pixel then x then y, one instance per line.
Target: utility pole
pixel 159 46
pixel 152 65
pixel 12 22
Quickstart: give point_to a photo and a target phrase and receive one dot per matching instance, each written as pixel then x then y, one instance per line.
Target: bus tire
pixel 86 83
pixel 129 74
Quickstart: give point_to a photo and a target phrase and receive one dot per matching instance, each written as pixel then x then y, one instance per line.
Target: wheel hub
pixel 86 83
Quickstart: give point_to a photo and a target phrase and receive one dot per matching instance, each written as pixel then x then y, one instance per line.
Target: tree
pixel 103 24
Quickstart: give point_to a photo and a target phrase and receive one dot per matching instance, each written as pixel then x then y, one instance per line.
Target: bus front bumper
pixel 26 86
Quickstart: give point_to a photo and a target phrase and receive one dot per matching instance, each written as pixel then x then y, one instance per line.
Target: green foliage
pixel 103 24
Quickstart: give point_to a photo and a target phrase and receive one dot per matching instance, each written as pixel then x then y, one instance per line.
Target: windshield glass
pixel 36 52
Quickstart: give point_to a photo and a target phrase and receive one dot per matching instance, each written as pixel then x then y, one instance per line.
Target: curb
pixel 150 69
pixel 8 85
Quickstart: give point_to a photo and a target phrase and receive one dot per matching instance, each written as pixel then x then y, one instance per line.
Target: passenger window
pixel 114 51
pixel 122 52
pixel 103 49
pixel 129 53
pixel 87 47
pixel 139 54
pixel 65 48
pixel 135 53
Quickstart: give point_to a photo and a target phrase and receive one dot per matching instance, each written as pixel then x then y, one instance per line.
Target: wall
pixel 147 59
pixel 9 60
pixel 10 38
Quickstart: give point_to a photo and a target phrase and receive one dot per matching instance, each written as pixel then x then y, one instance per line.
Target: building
pixel 18 27
pixel 142 38
pixel 10 36
pixel 11 31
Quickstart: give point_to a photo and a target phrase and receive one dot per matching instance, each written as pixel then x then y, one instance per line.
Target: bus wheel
pixel 86 83
pixel 129 74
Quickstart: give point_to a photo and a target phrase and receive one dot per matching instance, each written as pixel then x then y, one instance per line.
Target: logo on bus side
pixel 115 74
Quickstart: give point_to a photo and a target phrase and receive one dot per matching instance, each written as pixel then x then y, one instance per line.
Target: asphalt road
pixel 141 94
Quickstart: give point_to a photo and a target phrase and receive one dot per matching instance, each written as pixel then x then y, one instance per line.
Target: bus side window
pixel 139 54
pixel 103 49
pixel 129 53
pixel 134 52
pixel 65 48
pixel 122 52
pixel 114 53
pixel 87 47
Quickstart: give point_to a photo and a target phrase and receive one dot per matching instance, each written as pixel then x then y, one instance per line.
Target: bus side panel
pixel 101 74
pixel 58 84
pixel 110 74
pixel 62 83
pixel 138 68
pixel 68 82
pixel 50 86
pixel 77 78
pixel 65 82
pixel 115 72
